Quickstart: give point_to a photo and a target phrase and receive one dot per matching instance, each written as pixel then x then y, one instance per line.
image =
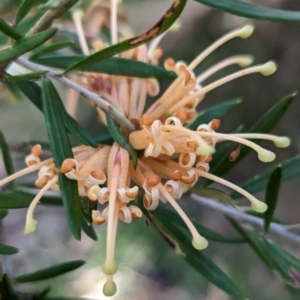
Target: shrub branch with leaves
pixel 153 154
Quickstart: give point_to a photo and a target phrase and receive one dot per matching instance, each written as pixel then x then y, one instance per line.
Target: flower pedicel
pixel 174 156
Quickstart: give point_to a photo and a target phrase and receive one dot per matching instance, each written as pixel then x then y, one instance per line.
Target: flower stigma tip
pixel 109 288
pixel 205 149
pixel 246 61
pixel 30 226
pixel 110 268
pixel 282 142
pixel 266 155
pixel 246 31
pixel 199 242
pixel 268 68
pixel 259 206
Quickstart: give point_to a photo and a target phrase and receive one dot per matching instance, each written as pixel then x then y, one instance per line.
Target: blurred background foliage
pixel 149 268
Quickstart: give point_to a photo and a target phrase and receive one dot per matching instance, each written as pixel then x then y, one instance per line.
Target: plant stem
pixel 120 118
pixel 46 20
pixel 243 217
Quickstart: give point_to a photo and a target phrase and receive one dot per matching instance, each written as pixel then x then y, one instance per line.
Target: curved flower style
pixel 174 156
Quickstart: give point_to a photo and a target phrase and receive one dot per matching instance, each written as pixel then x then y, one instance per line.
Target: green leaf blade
pixel 50 272
pixel 26 44
pixel 272 191
pixel 113 65
pixel 253 11
pixel 61 149
pixel 214 112
pixel 8 250
pixel 26 77
pixel 24 9
pixel 9 30
pixel 50 48
pixel 8 163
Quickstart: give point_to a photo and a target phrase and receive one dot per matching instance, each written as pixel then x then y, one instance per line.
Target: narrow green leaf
pixel 113 65
pixel 8 164
pixel 264 125
pixel 6 289
pixel 61 149
pixel 15 200
pixel 214 112
pixel 253 11
pixel 33 92
pixel 198 260
pixel 50 48
pixel 26 44
pixel 27 23
pixel 26 77
pixel 50 272
pixel 275 257
pixel 290 169
pixel 88 229
pixel 164 213
pixel 24 9
pixel 9 30
pixel 7 250
pixel 120 139
pixel 272 195
pixel 3 213
pixel 160 27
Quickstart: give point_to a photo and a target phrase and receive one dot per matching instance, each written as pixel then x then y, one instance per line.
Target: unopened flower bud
pixel 37 150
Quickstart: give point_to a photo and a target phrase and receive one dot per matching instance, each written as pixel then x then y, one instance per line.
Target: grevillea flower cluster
pixel 173 156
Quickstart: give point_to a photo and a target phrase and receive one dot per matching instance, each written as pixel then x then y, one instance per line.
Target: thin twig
pixel 46 20
pixel 241 216
pixel 120 118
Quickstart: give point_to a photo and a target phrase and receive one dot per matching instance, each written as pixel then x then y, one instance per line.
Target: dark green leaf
pixel 24 9
pixel 198 260
pixel 3 213
pixel 9 167
pixel 88 229
pixel 113 65
pixel 8 30
pixel 253 11
pixel 160 27
pixel 275 257
pixel 290 169
pixel 61 149
pixel 41 295
pixel 50 272
pixel 6 289
pixel 50 48
pixel 71 124
pixel 26 77
pixel 272 195
pixel 33 92
pixel 15 200
pixel 25 44
pixel 7 250
pixel 214 112
pixel 120 139
pixel 164 213
pixel 104 139
pixel 264 125
pixel 26 24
